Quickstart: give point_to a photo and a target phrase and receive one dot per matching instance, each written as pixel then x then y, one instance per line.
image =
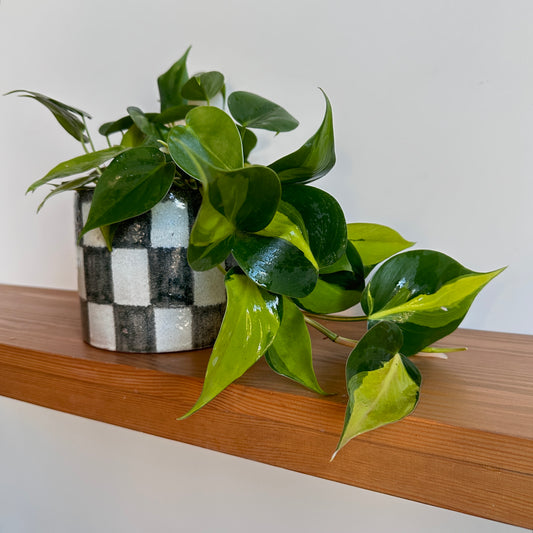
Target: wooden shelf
pixel 468 446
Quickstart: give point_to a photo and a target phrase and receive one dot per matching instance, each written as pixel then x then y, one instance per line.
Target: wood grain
pixel 468 446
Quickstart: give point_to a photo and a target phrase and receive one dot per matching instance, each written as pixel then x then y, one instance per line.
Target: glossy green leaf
pixel 290 354
pixel 210 137
pixel 67 116
pixel 324 221
pixel 253 111
pixel 426 293
pixel 171 82
pixel 211 238
pixel 314 159
pixel 71 185
pixel 249 327
pixel 339 288
pixel 383 385
pixel 249 141
pixel 247 197
pixel 77 165
pixel 132 184
pixel 203 86
pixel 375 242
pixel 278 258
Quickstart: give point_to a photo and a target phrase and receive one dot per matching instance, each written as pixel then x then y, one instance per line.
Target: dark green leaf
pixel 383 385
pixel 375 243
pixel 117 125
pixel 71 185
pixel 171 82
pixel 66 115
pixel 249 141
pixel 278 258
pixel 253 111
pixel 426 293
pixel 203 86
pixel 132 184
pixel 338 289
pixel 170 115
pixel 314 159
pixel 210 137
pixel 249 327
pixel 290 353
pixel 324 219
pixel 79 164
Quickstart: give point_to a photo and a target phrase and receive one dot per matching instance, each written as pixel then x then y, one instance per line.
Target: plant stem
pixel 336 318
pixel 331 335
pixel 88 133
pixel 221 268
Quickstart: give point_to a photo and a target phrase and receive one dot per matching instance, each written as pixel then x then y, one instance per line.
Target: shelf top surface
pixel 489 387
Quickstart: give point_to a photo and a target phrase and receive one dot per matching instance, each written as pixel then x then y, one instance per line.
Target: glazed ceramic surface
pixel 143 296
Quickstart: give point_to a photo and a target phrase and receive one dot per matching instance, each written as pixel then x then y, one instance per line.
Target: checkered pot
pixel 143 296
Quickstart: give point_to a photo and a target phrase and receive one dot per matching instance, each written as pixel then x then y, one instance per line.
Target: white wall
pixel 433 106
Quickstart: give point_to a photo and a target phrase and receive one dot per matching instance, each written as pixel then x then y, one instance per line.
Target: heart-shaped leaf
pixel 324 220
pixel 71 185
pixel 278 257
pixel 249 327
pixel 67 116
pixel 314 159
pixel 253 111
pixel 290 353
pixel 132 184
pixel 383 385
pixel 339 286
pixel 210 137
pixel 171 82
pixel 77 165
pixel 375 242
pixel 203 86
pixel 426 293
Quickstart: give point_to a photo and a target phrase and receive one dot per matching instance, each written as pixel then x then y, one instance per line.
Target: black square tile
pixel 135 329
pixel 170 277
pixel 98 275
pixel 133 233
pixel 206 324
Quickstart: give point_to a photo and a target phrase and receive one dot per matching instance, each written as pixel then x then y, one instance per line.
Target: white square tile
pixel 173 329
pixel 93 237
pixel 101 326
pixel 82 291
pixel 209 287
pixel 131 284
pixel 170 225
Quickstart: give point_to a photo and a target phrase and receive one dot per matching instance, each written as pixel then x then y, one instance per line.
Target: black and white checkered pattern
pixel 143 296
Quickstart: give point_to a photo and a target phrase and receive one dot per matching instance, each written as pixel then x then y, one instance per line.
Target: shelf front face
pixel 468 446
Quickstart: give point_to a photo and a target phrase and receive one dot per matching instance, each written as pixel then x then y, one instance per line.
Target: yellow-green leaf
pixel 249 327
pixel 383 385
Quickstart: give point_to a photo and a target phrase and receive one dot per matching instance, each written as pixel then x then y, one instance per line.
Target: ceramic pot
pixel 143 296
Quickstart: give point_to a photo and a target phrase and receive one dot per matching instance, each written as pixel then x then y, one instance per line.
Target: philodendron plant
pixel 295 258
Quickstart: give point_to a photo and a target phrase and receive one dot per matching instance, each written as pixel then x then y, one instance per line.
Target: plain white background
pixel 433 113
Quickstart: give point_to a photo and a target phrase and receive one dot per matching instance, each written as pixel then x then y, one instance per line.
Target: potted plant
pixel 287 254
